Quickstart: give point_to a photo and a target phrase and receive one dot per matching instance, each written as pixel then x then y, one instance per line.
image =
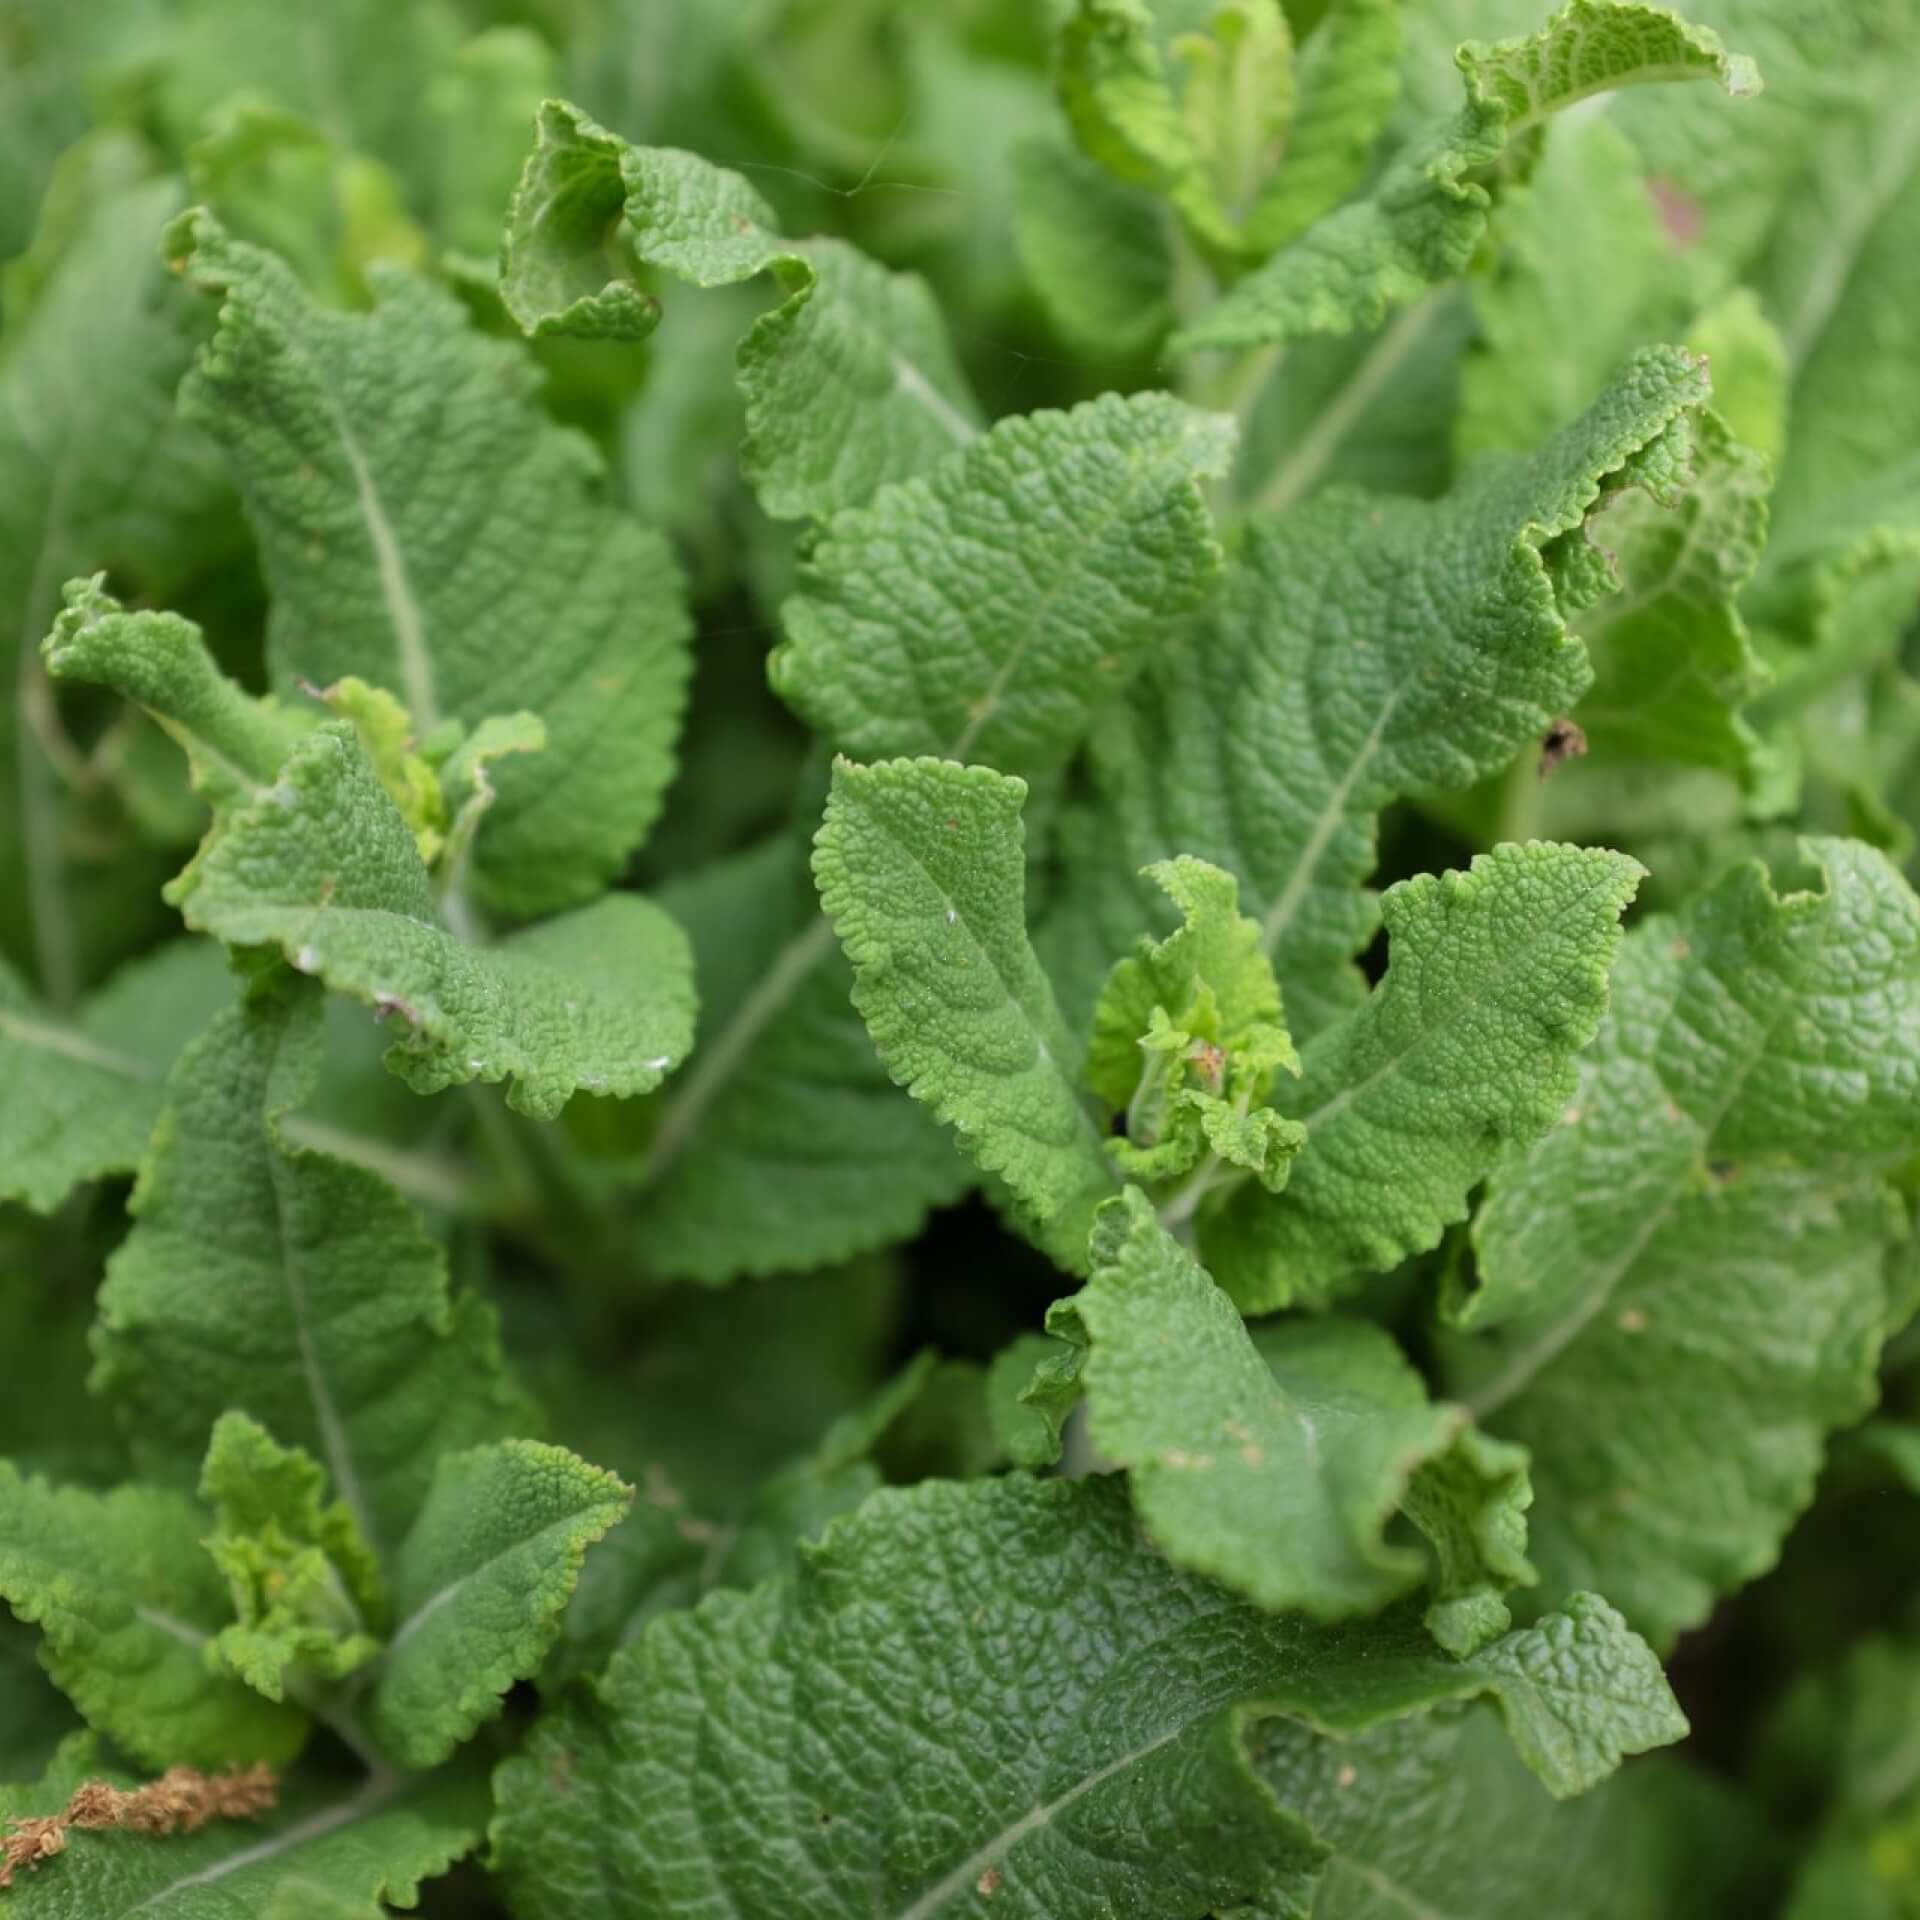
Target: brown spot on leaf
pixel 989 1883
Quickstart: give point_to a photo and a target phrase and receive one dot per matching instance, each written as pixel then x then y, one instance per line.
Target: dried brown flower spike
pixel 182 1800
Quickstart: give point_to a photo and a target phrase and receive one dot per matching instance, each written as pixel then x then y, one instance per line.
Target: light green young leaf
pixel 985 608
pixel 269 1278
pixel 83 1094
pixel 1112 1764
pixel 922 870
pixel 1200 121
pixel 128 1604
pixel 310 855
pixel 362 1845
pixel 1471 1504
pixel 1363 649
pixel 849 382
pixel 304 1581
pixel 424 526
pixel 1428 213
pixel 359 68
pixel 478 1586
pixel 1683 1288
pixel 1495 979
pixel 479 105
pixel 86 399
pixel 287 183
pixel 1188 1036
pixel 784 1145
pixel 1095 251
pixel 1274 1467
pixel 1348 79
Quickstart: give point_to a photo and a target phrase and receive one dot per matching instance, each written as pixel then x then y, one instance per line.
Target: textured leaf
pixel 1275 1468
pixel 922 870
pixel 1095 251
pixel 311 855
pixel 1672 662
pixel 478 1585
pixel 422 525
pixel 983 609
pixel 1428 212
pixel 1188 1036
pixel 1348 80
pixel 269 1278
pixel 127 1603
pixel 1407 1810
pixel 849 382
pixel 86 399
pixel 1362 649
pixel 784 1145
pixel 1495 979
pixel 83 1094
pixel 1682 1288
pixel 359 1845
pixel 304 1581
pixel 1076 1715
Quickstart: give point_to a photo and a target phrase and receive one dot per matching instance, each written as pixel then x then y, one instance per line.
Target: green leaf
pixel 1362 649
pixel 91 364
pixel 922 870
pixel 1672 661
pixel 849 382
pixel 1348 71
pixel 34 1715
pixel 360 1845
pixel 1550 329
pixel 480 104
pixel 784 1145
pixel 1188 1035
pixel 1495 979
pixel 310 855
pixel 128 1604
pixel 1277 1467
pixel 1428 213
pixel 478 1586
pixel 422 525
pixel 1683 1287
pixel 1026 1423
pixel 305 1583
pixel 1837 273
pixel 1007 1651
pixel 984 609
pixel 84 1093
pixel 275 1280
pixel 1407 1808
pixel 1095 251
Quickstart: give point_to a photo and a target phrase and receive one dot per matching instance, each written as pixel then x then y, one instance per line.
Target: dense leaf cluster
pixel 959 960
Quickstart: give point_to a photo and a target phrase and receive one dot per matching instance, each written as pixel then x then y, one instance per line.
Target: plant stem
pixel 1301 470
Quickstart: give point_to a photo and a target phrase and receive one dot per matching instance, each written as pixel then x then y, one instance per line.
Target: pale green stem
pixel 1296 475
